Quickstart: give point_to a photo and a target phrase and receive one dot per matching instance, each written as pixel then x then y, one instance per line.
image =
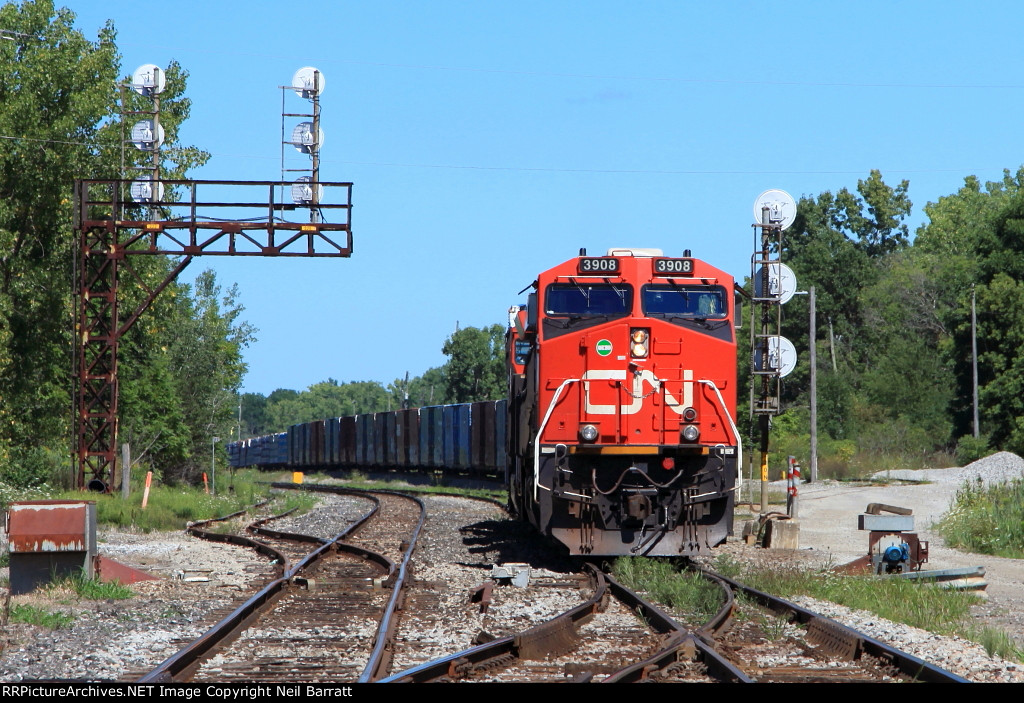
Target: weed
pixel 773 626
pixel 31 615
pixel 94 589
pixel 89 588
pixel 170 507
pixel 727 565
pixel 987 519
pixel 998 643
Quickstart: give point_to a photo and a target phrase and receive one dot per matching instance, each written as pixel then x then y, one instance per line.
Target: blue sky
pixel 490 141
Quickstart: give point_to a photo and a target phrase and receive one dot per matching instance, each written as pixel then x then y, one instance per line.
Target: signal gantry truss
pixel 199 218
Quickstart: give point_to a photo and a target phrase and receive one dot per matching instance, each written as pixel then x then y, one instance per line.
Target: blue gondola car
pixel 464 437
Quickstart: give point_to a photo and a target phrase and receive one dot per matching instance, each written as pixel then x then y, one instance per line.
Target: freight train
pixel 618 435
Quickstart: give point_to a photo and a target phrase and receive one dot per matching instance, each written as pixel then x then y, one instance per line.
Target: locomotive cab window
pixel 588 299
pixel 522 351
pixel 692 302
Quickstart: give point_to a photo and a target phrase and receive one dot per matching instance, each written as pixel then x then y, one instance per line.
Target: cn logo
pixel 638 392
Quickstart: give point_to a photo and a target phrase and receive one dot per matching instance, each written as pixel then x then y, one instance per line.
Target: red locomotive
pixel 622 398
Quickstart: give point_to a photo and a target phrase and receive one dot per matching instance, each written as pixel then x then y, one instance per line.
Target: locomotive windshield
pixel 693 302
pixel 588 299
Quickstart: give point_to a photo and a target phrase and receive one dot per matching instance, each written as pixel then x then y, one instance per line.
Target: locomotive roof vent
pixel 626 251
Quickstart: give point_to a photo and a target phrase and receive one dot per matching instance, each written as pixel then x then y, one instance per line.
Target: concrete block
pixel 782 534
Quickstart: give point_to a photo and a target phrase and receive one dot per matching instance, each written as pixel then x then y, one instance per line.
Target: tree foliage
pixel 56 92
pixel 475 369
pixel 898 316
pixel 59 121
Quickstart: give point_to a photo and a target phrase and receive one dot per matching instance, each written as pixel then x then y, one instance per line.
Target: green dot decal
pixel 604 347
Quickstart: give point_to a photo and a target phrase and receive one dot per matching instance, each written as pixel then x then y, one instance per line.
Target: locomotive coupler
pixel 637 504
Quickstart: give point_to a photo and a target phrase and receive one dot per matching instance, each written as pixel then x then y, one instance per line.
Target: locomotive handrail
pixel 540 433
pixel 732 424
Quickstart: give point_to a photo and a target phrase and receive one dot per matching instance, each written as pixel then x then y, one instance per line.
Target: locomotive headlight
pixel 691 433
pixel 689 414
pixel 638 342
pixel 588 433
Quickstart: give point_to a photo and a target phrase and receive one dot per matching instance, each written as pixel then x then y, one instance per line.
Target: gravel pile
pixel 1000 467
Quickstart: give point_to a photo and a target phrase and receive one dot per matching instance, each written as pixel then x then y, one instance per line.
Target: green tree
pixel 904 313
pixel 431 388
pixel 56 90
pixel 59 121
pixel 836 244
pixel 475 369
pixel 875 219
pixel 206 357
pixel 326 399
pixel 970 239
pixel 1001 335
pixel 254 415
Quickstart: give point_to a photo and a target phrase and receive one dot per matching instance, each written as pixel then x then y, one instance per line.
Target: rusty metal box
pixel 50 539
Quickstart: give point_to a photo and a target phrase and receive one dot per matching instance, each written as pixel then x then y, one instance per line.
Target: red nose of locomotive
pixel 633 441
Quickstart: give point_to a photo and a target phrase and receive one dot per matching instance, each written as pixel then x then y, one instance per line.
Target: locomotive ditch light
pixel 588 433
pixel 691 433
pixel 638 342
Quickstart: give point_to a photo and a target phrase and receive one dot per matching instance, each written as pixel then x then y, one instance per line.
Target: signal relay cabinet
pixel 50 539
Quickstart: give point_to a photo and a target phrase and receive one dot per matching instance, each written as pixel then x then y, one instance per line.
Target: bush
pixel 970 448
pixel 31 467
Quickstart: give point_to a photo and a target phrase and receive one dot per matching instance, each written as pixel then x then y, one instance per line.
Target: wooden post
pixel 126 470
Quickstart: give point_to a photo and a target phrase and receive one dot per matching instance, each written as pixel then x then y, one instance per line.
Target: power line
pixel 556 169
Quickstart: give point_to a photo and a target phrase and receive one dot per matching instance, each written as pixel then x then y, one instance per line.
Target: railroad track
pixel 637 641
pixel 609 633
pixel 329 614
pixel 823 650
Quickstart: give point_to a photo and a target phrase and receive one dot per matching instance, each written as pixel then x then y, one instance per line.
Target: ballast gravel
pixel 200 581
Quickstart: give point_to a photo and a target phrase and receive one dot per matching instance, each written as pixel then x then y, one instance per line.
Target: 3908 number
pixel 670 266
pixel 601 265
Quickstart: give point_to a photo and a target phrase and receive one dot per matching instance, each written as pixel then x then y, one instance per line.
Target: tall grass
pixel 998 643
pixel 987 519
pixel 171 507
pixel 921 605
pixel 93 588
pixel 686 593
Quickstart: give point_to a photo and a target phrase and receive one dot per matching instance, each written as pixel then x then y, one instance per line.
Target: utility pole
pixel 814 385
pixel 974 360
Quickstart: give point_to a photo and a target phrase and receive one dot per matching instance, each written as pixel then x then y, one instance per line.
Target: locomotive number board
pixel 599 264
pixel 673 267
